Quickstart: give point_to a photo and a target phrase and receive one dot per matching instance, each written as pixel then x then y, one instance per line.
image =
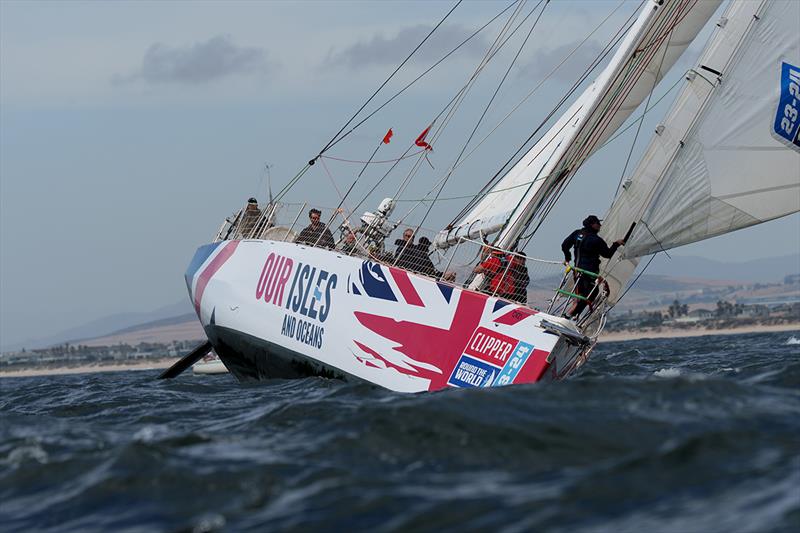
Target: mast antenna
pixel 267 166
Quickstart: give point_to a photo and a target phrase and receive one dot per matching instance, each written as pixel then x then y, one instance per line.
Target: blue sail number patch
pixel 787 123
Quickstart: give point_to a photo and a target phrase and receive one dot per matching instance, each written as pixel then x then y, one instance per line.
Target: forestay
pixel 727 155
pixel 659 36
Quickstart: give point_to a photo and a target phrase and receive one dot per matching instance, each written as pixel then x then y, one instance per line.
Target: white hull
pixel 278 309
pixel 209 365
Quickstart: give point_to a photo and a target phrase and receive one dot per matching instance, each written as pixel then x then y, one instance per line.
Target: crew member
pixel 315 234
pixel 521 277
pixel 497 267
pixel 249 218
pixel 589 247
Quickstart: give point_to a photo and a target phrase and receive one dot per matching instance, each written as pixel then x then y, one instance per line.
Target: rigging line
pixel 526 183
pixel 631 77
pixel 618 36
pixel 489 104
pixel 536 88
pixel 624 81
pixel 629 287
pixel 486 109
pixel 458 99
pixel 364 198
pixel 646 105
pixel 342 198
pixel 415 167
pixel 292 181
pixel 603 122
pixel 401 91
pixel 379 162
pixel 450 108
pixel 589 69
pixel 327 146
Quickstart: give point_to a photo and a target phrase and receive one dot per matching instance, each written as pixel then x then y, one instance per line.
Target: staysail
pixel 727 156
pixel 654 42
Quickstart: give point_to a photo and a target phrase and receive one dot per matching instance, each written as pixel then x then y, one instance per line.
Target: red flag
pixel 388 136
pixel 421 139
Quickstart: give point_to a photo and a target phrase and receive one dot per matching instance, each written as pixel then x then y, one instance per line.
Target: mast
pixel 660 34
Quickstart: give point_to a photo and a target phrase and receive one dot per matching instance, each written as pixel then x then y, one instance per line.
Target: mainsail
pixel 727 156
pixel 654 42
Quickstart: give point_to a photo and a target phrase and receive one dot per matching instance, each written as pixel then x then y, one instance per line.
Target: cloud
pixel 382 50
pixel 546 60
pixel 202 62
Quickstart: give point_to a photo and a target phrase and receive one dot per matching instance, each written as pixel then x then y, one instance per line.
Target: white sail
pixel 659 36
pixel 727 156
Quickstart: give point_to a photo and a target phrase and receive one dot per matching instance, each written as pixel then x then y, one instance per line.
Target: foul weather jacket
pixel 589 246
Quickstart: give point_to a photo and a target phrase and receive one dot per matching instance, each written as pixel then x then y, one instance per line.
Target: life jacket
pixel 503 279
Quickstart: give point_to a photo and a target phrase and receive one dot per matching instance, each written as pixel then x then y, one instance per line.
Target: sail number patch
pixel 787 118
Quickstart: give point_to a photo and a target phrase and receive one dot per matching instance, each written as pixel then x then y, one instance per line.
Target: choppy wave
pixel 696 434
pixel 793 340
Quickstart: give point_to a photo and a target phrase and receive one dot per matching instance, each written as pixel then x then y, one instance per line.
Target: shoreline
pixel 153 364
pixel 676 333
pixel 616 336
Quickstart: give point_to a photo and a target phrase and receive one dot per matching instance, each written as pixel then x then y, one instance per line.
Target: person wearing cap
pixel 589 247
pixel 249 218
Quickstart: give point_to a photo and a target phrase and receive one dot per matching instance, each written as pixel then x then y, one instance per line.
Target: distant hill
pixel 107 325
pixel 665 276
pixel 768 270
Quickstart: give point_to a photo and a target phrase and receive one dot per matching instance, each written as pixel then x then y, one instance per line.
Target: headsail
pixel 659 36
pixel 724 157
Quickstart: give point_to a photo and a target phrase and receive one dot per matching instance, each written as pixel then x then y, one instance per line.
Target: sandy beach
pixel 662 333
pixel 153 364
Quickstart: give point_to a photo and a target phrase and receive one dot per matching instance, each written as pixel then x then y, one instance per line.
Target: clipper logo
pixel 490 346
pixel 486 354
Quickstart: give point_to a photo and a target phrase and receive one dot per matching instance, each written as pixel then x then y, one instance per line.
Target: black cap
pixel 252 201
pixel 591 219
pixel 424 241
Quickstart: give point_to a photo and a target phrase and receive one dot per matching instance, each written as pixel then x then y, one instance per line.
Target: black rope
pixel 412 82
pixel 587 72
pixel 646 105
pixel 458 93
pixel 491 101
pixel 635 280
pixel 331 142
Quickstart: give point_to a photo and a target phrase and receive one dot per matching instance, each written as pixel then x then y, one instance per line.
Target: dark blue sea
pixel 670 435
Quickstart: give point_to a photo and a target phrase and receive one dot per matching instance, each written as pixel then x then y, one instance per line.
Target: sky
pixel 129 130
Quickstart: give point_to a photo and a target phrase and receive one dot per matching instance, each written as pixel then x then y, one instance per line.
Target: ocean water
pixel 670 435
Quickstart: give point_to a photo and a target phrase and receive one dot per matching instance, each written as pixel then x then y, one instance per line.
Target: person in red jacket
pixel 498 269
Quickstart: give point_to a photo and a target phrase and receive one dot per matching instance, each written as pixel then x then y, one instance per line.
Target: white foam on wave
pixel 27 452
pixel 150 433
pixel 667 373
pixel 792 340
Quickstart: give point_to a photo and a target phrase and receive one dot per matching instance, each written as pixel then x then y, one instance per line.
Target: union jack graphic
pixel 445 319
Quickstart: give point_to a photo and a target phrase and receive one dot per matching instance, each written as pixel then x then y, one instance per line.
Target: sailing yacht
pixel 726 156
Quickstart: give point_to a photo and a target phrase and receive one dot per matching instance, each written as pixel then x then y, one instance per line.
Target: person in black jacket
pixel 315 234
pixel 589 247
